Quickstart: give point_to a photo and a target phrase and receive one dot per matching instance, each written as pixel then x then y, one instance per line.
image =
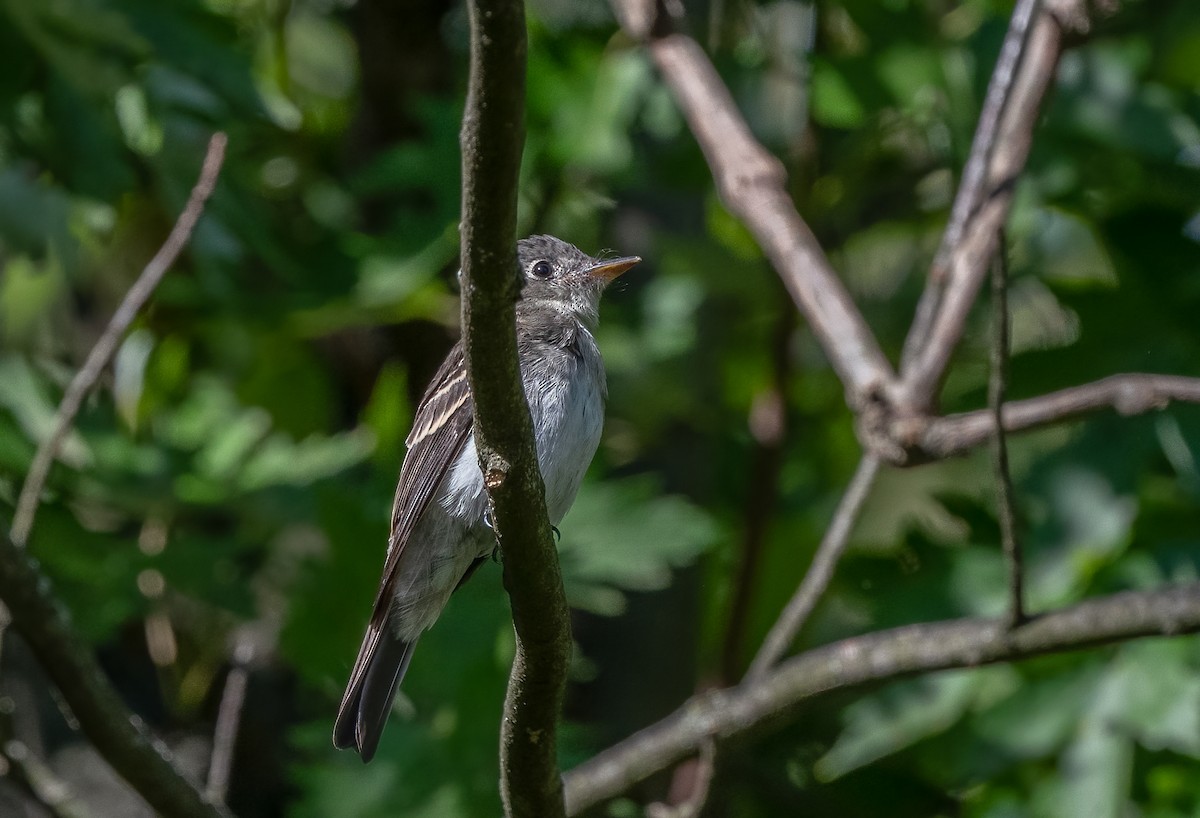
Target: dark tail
pixel 381 664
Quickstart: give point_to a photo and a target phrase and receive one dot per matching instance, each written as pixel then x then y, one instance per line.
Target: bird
pixel 440 529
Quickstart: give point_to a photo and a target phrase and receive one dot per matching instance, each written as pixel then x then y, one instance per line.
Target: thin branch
pixel 119 736
pixel 40 782
pixel 229 718
pixel 776 698
pixel 819 574
pixel 997 387
pixel 971 191
pixel 106 345
pixel 769 428
pixel 752 183
pixel 698 802
pixel 492 139
pixel 1128 394
pixel 966 262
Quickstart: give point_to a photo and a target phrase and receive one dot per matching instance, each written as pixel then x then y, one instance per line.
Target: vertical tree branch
pixel 106 344
pixel 769 428
pixel 119 736
pixel 492 140
pixel 229 719
pixel 997 387
pixel 784 631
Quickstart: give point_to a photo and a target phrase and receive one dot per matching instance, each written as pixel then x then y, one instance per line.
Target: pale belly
pixel 568 417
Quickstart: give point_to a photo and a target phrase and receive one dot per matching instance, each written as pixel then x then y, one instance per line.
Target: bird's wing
pixel 438 435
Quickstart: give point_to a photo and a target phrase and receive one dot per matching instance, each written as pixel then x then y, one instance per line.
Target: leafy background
pixel 228 486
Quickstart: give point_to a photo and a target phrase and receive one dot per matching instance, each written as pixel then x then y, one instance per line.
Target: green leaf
pixel 834 103
pixel 622 535
pixel 27 398
pixel 901 716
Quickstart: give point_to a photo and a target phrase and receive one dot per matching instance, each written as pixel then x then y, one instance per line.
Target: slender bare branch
pixel 36 778
pixel 699 803
pixel 768 423
pixel 1006 509
pixel 118 735
pixel 776 698
pixel 229 718
pixel 972 189
pixel 752 182
pixel 492 138
pixel 106 345
pixel 1128 394
pixel 819 574
pixel 955 284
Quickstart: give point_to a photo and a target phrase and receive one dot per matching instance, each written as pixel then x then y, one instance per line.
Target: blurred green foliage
pixel 237 466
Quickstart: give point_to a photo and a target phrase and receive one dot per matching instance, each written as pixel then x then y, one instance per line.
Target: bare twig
pixel 1128 394
pixel 698 801
pixel 971 191
pixel 997 386
pixel 119 736
pixel 768 426
pixel 776 698
pixel 492 139
pixel 106 345
pixel 955 284
pixel 229 717
pixel 816 580
pixel 752 183
pixel 36 778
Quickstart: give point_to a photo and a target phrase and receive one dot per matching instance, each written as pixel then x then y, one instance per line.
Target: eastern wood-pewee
pixel 440 533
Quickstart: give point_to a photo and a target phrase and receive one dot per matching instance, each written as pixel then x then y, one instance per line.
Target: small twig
pixel 106 345
pixel 769 428
pixel 40 782
pixel 709 798
pixel 819 574
pixel 229 717
pixel 777 697
pixel 698 800
pixel 971 190
pixel 118 735
pixel 1132 393
pixel 997 387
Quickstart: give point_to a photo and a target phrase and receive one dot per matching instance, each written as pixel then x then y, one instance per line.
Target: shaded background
pixel 224 497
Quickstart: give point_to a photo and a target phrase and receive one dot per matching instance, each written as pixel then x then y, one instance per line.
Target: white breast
pixel 568 416
pixel 566 393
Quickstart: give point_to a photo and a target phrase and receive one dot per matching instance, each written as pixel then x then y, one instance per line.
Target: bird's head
pixel 559 276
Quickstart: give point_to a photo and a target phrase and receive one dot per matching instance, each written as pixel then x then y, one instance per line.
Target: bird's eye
pixel 541 269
